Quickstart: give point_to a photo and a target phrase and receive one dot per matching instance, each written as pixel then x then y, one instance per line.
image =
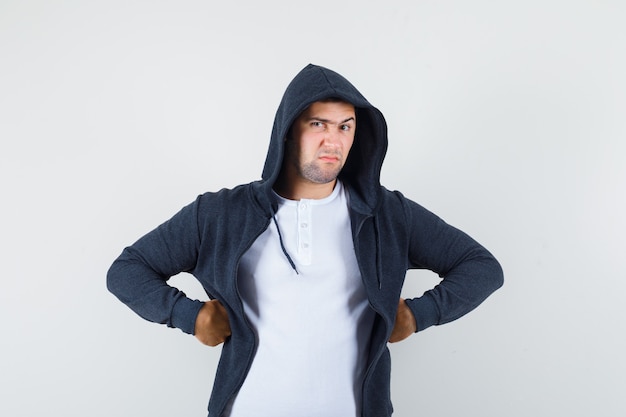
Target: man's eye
pixel 317 124
pixel 345 127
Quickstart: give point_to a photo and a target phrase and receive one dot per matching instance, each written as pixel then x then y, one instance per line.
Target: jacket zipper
pixel 379 351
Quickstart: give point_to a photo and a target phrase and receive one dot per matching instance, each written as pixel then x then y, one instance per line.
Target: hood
pixel 361 173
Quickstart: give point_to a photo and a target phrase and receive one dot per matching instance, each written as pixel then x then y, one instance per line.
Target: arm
pixel 470 273
pixel 138 277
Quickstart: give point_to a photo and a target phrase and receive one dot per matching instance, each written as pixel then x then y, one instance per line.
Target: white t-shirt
pixel 314 327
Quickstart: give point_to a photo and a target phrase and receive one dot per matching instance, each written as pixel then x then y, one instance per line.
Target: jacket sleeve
pixel 138 277
pixel 469 272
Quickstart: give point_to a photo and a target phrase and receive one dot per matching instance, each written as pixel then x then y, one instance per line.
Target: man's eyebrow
pixel 320 119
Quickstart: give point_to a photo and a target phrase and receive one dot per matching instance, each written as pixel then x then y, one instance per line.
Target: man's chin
pixel 320 176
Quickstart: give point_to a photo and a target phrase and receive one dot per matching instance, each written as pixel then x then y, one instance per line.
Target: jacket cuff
pixel 425 311
pixel 184 314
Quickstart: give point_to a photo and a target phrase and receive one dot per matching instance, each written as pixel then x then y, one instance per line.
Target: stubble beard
pixel 313 172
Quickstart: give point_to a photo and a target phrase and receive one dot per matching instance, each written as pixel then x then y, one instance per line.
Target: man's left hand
pixel 405 324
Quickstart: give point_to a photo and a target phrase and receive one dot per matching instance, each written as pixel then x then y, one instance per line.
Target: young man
pixel 304 268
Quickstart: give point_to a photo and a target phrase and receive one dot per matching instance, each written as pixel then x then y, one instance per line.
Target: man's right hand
pixel 212 326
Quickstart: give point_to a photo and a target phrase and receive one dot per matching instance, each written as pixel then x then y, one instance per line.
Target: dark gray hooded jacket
pixel 391 234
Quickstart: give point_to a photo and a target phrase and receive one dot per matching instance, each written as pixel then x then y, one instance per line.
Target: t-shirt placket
pixel 304 231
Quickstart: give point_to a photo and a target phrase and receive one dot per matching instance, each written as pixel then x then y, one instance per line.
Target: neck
pixel 297 190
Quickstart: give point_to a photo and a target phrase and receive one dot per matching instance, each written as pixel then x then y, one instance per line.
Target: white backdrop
pixel 505 118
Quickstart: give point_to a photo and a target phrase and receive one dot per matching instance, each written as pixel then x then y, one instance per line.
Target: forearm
pixel 460 291
pixel 148 294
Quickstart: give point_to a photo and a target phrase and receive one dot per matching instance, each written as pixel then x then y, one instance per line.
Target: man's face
pixel 321 138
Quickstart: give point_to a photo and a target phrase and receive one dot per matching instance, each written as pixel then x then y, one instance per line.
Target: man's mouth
pixel 329 158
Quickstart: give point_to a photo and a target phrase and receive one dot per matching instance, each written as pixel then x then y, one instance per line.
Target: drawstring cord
pixel 282 245
pixel 379 272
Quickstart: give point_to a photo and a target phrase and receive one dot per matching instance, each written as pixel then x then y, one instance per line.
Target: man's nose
pixel 331 137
